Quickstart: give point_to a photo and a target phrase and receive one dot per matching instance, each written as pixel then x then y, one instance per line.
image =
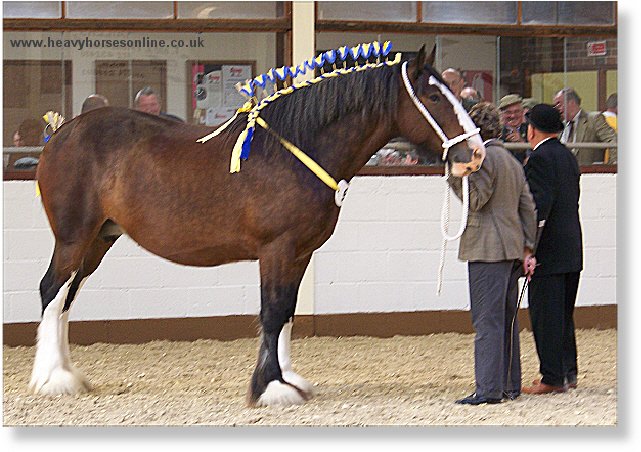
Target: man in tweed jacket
pixel 498 244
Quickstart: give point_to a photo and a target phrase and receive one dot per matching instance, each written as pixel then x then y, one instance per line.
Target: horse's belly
pixel 196 255
pixel 211 256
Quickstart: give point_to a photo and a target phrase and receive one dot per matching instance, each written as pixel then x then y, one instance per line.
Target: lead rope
pixel 445 221
pixel 470 130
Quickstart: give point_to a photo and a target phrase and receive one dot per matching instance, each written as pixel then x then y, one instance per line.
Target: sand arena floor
pixel 404 380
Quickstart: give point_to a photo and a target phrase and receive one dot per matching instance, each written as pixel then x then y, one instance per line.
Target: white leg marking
pixel 279 394
pixel 52 372
pixel 284 347
pixel 285 362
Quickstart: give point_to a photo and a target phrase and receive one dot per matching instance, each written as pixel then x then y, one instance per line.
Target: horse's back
pixel 105 130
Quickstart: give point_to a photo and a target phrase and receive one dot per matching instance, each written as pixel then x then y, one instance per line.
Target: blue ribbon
pixel 244 154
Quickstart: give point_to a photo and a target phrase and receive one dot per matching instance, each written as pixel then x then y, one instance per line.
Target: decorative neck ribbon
pixel 253 107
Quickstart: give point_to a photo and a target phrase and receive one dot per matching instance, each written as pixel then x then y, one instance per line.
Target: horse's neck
pixel 346 150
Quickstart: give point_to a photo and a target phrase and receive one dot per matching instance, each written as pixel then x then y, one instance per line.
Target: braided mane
pixel 299 116
pixel 300 111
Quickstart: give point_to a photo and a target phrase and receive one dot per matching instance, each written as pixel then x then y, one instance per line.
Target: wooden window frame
pixel 283 27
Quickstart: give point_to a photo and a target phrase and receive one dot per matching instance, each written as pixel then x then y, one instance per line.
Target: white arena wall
pixel 383 257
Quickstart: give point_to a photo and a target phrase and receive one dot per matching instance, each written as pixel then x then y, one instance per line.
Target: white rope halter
pixel 471 132
pixel 464 120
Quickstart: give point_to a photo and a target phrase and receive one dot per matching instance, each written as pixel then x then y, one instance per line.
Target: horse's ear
pixel 430 59
pixel 416 67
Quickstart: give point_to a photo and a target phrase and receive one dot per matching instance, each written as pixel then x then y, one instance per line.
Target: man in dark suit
pixel 553 175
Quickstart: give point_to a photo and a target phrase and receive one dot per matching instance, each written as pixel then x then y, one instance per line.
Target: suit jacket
pixel 553 175
pixel 610 154
pixel 502 217
pixel 592 128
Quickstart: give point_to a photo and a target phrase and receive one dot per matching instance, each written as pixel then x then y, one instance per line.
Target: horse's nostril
pixel 469 168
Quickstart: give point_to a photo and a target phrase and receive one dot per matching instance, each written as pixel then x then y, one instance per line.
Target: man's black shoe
pixel 476 400
pixel 510 395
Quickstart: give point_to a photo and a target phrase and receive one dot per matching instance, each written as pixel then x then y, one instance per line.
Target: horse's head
pixel 430 114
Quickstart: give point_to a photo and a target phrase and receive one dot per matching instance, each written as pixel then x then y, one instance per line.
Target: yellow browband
pixel 300 155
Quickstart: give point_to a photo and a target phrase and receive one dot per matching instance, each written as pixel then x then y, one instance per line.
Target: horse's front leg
pixel 273 381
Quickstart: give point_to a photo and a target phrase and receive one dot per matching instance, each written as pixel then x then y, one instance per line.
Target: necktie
pixel 571 133
pixel 567 133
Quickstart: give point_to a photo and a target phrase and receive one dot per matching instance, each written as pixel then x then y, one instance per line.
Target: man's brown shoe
pixel 542 388
pixel 538 382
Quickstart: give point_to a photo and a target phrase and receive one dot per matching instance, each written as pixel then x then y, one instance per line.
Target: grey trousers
pixel 493 298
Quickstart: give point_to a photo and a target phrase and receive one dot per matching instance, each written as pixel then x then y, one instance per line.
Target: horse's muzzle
pixel 465 169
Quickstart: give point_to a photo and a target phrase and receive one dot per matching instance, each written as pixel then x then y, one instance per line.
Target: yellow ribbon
pixel 304 158
pixel 254 107
pixel 247 106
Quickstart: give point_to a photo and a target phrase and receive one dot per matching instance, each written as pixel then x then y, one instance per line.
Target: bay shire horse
pixel 115 171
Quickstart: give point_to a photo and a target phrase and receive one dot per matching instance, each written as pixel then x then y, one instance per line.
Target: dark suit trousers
pixel 551 300
pixel 493 298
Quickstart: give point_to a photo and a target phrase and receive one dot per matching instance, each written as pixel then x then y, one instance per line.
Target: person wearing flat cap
pixel 514 125
pixel 553 175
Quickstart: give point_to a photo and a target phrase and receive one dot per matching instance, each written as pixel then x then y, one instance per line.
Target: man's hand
pixel 529 264
pixel 514 137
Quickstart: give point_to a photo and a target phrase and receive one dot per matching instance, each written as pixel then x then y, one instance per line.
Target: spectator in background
pixel 554 179
pixel 610 115
pixel 16 138
pixel 583 127
pixel 93 102
pixel 454 80
pixel 611 111
pixel 514 125
pixel 29 133
pixel 497 244
pixel 469 97
pixel 148 101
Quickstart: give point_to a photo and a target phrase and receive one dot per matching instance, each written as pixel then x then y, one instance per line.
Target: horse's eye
pixel 435 98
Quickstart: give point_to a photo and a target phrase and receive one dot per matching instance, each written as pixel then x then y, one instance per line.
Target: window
pixel 470 12
pixel 230 10
pixel 373 11
pixel 32 10
pixel 120 10
pixel 30 89
pixel 120 80
pixel 532 67
pixel 583 13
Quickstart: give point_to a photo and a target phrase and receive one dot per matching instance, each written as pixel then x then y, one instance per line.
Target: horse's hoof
pixel 60 382
pixel 282 395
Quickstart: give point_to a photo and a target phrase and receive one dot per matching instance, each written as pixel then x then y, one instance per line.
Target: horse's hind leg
pixel 273 381
pixel 53 373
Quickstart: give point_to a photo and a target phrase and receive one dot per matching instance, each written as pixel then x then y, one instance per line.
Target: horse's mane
pixel 371 93
pixel 366 93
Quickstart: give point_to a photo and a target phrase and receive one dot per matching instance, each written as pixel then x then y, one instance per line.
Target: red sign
pixel 597 48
